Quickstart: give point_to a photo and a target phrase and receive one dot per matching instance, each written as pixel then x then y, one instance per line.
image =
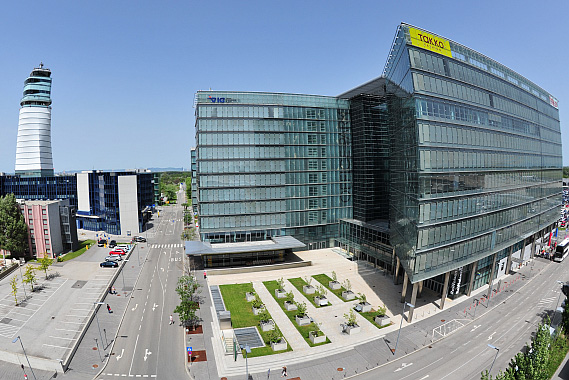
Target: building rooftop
pixel 278 242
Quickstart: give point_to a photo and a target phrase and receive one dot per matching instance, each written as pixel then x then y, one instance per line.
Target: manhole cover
pixel 79 284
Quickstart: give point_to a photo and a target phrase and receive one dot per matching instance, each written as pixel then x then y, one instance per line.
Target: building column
pixel 445 290
pixel 397 266
pixel 509 262
pixel 420 292
pixel 491 278
pixel 404 290
pixel 413 300
pixel 532 253
pixel 473 268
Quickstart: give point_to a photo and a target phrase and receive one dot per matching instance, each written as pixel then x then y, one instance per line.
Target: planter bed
pixel 299 284
pixel 303 330
pixel 325 280
pixel 370 316
pixel 242 315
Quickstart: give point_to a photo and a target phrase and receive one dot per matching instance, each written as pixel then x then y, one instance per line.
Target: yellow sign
pixel 430 42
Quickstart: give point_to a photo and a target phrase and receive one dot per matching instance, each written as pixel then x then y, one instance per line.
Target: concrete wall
pixel 259 268
pixel 54 228
pixel 128 204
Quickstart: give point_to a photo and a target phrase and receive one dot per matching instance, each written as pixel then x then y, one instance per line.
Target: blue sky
pixel 125 72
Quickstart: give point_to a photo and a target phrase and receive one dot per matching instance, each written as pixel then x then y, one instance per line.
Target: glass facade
pixel 41 188
pixel 272 164
pixel 476 165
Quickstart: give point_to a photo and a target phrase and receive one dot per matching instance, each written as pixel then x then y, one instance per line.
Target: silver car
pixel 113 258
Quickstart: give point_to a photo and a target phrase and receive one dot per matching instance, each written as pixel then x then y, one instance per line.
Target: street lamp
pixel 26 355
pixel 122 272
pixel 401 324
pixel 247 351
pixel 497 351
pixel 97 318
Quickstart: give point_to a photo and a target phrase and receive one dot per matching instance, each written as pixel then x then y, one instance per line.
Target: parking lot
pixel 50 321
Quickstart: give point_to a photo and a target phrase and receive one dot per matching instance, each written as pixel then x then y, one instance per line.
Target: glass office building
pixel 271 164
pixel 476 160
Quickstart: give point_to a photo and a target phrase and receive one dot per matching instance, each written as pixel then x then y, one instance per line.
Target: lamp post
pixel 401 324
pixel 477 302
pixel 247 351
pixel 495 356
pixel 26 355
pixel 122 272
pixel 97 318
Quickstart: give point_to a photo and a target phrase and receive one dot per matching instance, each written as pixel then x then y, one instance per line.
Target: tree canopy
pixel 13 228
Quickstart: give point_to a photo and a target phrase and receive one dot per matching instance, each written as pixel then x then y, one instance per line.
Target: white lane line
pixel 51 345
pixel 60 337
pixel 67 330
pixel 133 352
pixel 422 369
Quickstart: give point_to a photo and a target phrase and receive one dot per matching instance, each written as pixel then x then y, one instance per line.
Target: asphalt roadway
pixel 147 344
pixel 508 327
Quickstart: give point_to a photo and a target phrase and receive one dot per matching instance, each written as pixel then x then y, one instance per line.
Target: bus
pixel 561 251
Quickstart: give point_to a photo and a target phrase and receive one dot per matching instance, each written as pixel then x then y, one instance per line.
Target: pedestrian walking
pixel 114 290
pixel 204 274
pixel 109 309
pixel 284 373
pixel 171 320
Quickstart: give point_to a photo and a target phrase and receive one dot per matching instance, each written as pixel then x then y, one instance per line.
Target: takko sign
pixel 430 42
pixel 221 100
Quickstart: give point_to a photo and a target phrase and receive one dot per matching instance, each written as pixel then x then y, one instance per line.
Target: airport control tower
pixel 33 148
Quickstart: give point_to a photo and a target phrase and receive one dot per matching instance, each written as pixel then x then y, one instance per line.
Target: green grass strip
pixel 82 248
pixel 303 330
pixel 557 352
pixel 242 315
pixel 298 283
pixel 370 316
pixel 324 280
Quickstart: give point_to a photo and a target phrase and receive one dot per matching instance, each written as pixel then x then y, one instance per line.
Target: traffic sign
pixel 189 350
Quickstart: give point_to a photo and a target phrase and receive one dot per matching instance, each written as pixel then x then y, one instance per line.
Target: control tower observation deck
pixel 33 147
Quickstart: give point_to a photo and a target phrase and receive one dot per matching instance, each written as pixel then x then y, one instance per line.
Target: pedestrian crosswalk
pixel 166 245
pixel 546 301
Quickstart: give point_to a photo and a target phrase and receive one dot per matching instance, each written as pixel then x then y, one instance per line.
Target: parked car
pixel 110 264
pixel 113 258
pixel 139 239
pixel 119 252
pixel 101 242
pixel 112 244
pixel 121 248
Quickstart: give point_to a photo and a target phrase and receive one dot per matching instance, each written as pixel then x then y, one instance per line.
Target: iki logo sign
pixel 221 100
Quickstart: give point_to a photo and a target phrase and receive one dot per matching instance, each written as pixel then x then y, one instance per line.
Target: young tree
pixel 13 228
pixel 30 276
pixel 188 289
pixel 14 285
pixel 565 317
pixel 45 262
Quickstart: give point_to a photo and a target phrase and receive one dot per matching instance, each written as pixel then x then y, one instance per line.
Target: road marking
pixel 154 307
pixel 475 327
pixel 120 356
pixel 424 377
pixel 490 337
pixel 146 354
pixel 404 365
pixel 51 345
pixel 134 308
pixel 133 352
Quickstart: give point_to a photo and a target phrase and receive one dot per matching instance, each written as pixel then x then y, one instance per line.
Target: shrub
pixel 351 318
pixel 301 311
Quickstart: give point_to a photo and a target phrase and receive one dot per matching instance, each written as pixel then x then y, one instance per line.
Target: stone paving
pixel 370 348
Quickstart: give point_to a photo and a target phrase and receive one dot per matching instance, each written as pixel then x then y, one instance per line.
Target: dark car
pixel 101 242
pixel 112 244
pixel 112 264
pixel 140 239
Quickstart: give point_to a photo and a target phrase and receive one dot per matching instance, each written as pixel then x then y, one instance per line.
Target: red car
pixel 117 252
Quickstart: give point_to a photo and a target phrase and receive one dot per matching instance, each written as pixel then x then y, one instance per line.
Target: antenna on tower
pixel 41 65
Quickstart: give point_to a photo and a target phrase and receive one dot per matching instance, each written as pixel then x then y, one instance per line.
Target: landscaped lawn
pixel 242 314
pixel 80 251
pixel 303 330
pixel 324 280
pixel 370 315
pixel 298 283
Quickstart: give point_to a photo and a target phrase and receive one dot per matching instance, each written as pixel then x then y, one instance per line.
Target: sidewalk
pixel 323 362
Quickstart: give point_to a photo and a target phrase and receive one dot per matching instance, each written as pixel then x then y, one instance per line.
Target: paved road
pixel 147 345
pixel 466 353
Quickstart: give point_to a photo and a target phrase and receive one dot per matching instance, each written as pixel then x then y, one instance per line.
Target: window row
pixel 447 233
pixel 261 138
pixel 440 185
pixel 461 208
pixel 243 194
pixel 267 125
pixel 241 180
pixel 454 90
pixel 460 159
pixel 458 135
pixel 241 208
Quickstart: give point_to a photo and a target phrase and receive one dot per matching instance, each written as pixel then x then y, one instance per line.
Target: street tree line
pixel 542 356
